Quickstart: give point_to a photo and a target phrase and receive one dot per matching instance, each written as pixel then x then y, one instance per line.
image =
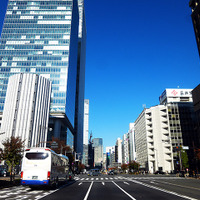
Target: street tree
pixel 133 166
pixel 124 167
pixel 184 159
pixel 13 148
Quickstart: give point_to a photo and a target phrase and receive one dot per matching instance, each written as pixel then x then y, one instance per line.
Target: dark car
pixel 159 172
pixel 181 174
pixel 112 172
pixel 3 172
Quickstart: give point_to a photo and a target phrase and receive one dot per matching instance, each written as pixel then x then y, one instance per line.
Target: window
pixel 36 156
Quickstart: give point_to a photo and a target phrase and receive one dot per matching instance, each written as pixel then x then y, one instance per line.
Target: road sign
pixel 54 145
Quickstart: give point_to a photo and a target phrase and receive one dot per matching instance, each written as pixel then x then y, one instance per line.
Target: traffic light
pixel 177 148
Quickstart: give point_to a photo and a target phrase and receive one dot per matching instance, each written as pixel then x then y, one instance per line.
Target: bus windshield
pixel 36 156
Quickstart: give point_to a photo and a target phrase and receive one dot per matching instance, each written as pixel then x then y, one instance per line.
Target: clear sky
pixel 135 50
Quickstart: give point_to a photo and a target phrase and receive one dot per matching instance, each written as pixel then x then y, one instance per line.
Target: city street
pixel 113 187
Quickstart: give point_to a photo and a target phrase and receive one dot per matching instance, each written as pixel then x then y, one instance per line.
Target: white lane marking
pixel 92 179
pixel 153 182
pixel 180 185
pixel 101 178
pixel 82 179
pixel 86 196
pixel 124 191
pixel 80 183
pixel 44 195
pixel 163 190
pixel 103 183
pixel 87 179
pixel 97 178
pixel 126 183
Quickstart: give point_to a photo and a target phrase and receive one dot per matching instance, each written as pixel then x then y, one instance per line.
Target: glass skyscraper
pixel 43 37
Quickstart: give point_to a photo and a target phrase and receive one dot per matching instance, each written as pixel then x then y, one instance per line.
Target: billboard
pixel 175 93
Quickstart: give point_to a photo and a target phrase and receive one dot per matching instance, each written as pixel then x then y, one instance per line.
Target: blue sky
pixel 135 50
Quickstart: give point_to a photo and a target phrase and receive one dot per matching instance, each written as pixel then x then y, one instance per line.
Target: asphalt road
pixel 118 187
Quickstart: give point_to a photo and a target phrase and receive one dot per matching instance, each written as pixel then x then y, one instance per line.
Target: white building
pixel 26 110
pixel 153 140
pixel 86 122
pixel 119 150
pixel 131 132
pixel 85 132
pixel 125 149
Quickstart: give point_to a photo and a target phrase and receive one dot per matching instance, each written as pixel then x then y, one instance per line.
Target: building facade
pixel 125 149
pixel 110 157
pixel 26 111
pixel 118 151
pixel 85 132
pixel 43 37
pixel 97 144
pixel 195 6
pixel 131 132
pixel 182 123
pixel 152 138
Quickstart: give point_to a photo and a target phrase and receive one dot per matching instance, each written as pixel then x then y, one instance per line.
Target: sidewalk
pixel 5 181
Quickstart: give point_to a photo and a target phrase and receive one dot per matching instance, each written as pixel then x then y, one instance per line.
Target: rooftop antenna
pixel 144 106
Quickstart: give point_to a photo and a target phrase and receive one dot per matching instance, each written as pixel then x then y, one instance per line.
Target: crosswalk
pixel 123 178
pixel 99 178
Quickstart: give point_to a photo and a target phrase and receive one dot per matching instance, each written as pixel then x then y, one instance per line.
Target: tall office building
pixel 26 111
pixel 86 122
pixel 85 132
pixel 125 149
pixel 80 80
pixel 118 151
pixel 97 144
pixel 43 37
pixel 195 6
pixel 131 132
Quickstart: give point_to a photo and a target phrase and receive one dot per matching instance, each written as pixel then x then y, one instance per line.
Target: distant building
pixel 131 132
pixel 26 110
pixel 85 132
pixel 195 6
pixel 97 144
pixel 118 152
pixel 125 149
pixel 110 157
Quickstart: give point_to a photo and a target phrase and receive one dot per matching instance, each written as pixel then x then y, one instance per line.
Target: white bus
pixel 42 166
